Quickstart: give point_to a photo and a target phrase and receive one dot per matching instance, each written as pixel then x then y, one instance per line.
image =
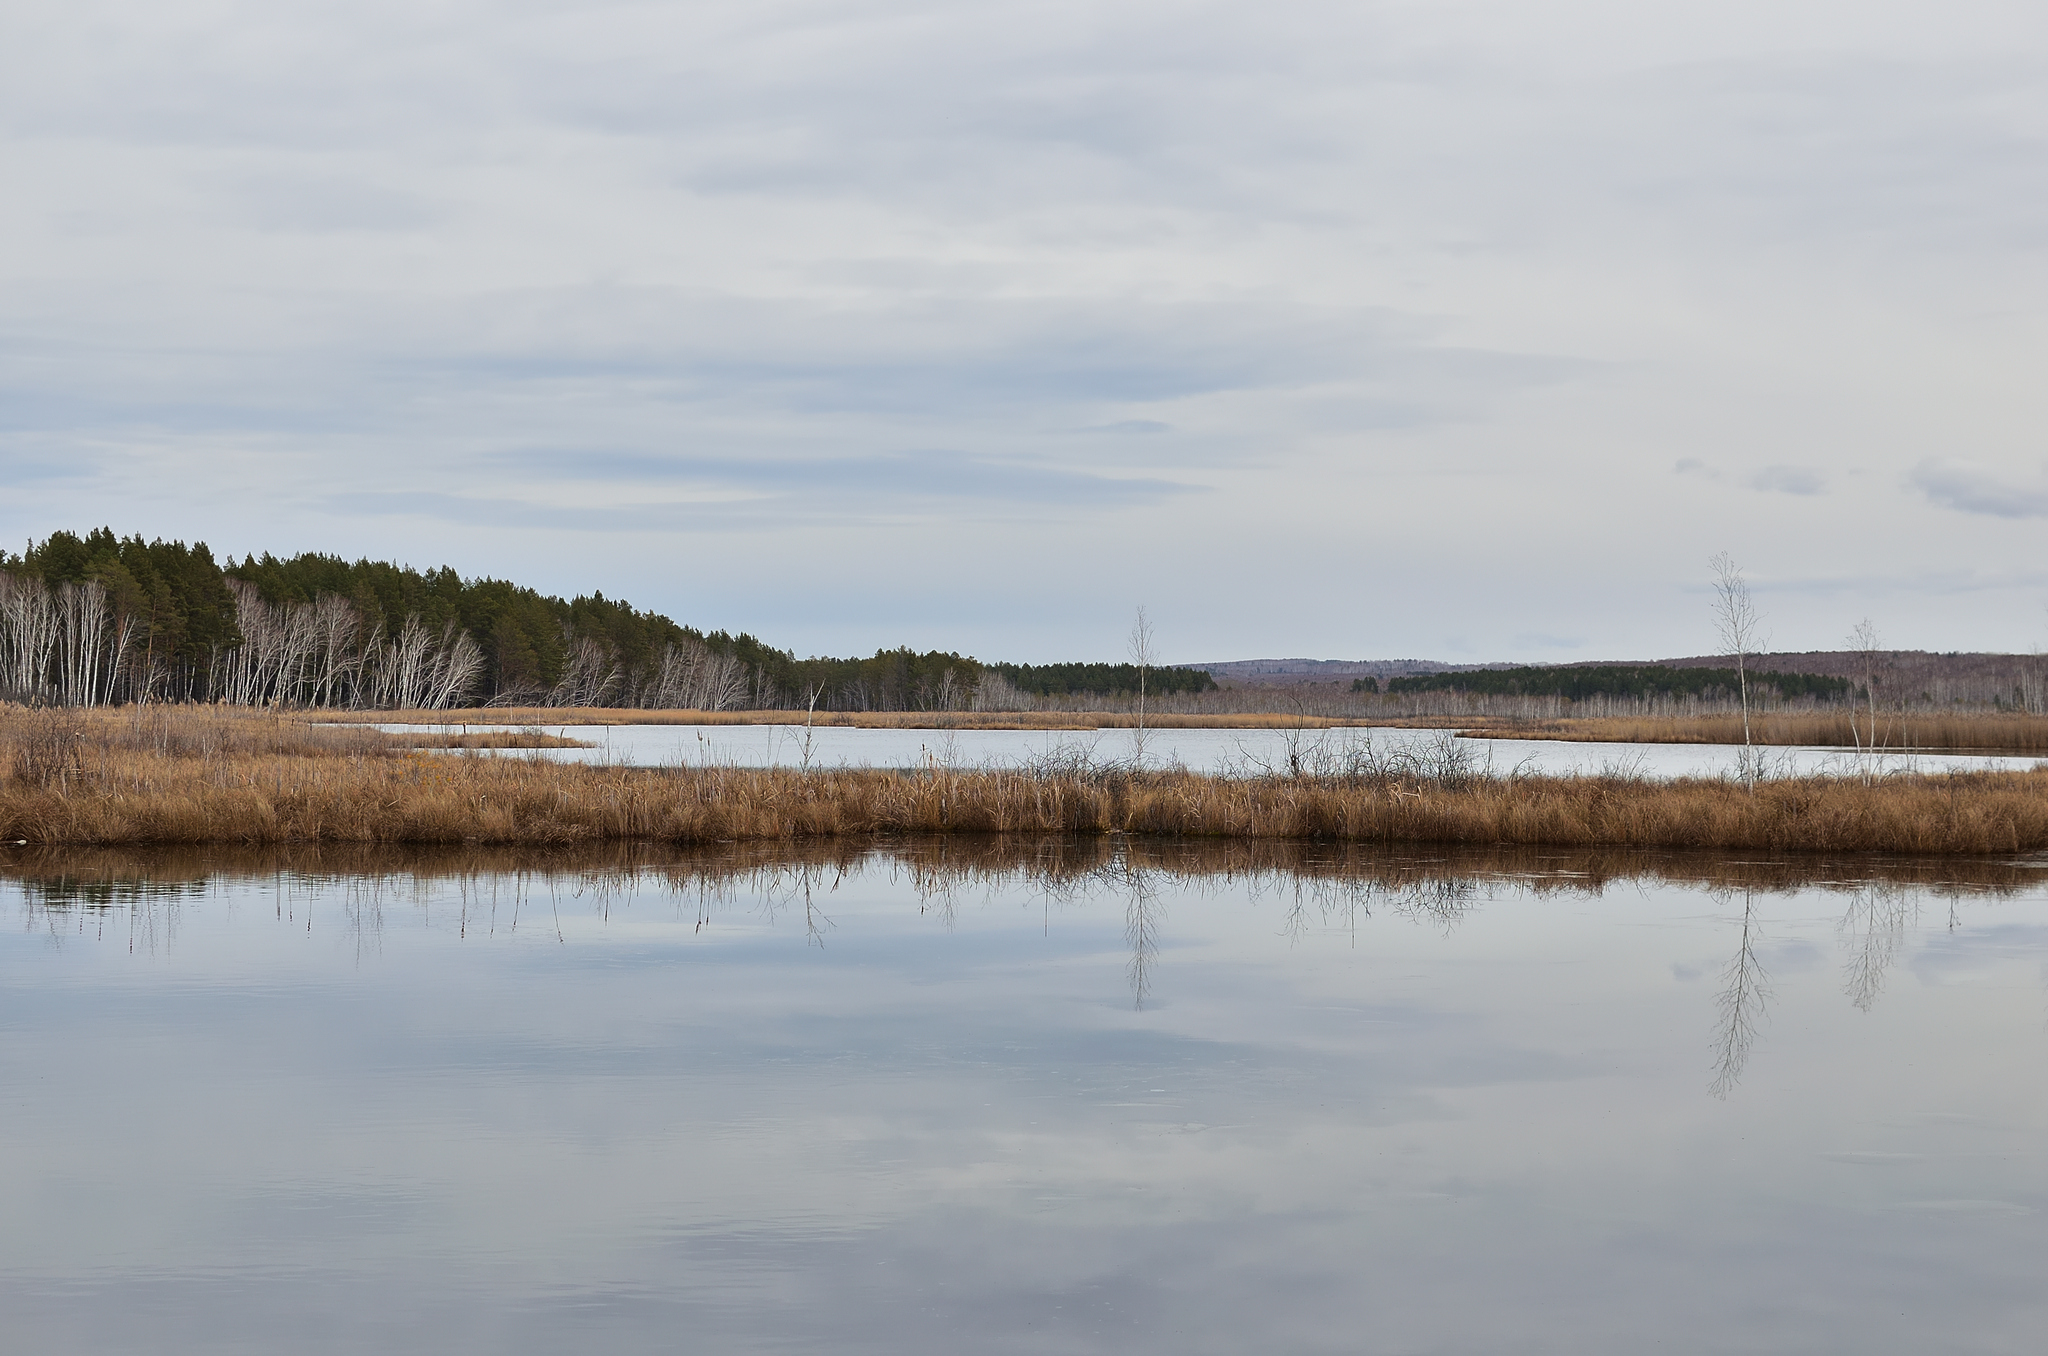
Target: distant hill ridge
pixel 1292 672
pixel 1920 675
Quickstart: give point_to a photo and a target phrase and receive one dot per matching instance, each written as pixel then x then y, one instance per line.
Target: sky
pixel 1465 331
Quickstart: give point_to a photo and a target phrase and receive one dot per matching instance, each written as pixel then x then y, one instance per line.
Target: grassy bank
pixel 170 776
pixel 1963 731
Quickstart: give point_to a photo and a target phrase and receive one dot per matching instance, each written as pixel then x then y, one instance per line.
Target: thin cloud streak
pixel 1970 489
pixel 825 483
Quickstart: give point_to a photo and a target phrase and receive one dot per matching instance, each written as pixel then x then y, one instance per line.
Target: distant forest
pixel 1578 682
pixel 98 619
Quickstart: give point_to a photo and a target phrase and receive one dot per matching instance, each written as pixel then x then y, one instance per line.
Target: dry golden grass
pixel 1971 732
pixel 203 776
pixel 486 739
pixel 55 740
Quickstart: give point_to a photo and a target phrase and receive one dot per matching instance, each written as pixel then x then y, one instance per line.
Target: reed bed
pixel 1957 731
pixel 172 776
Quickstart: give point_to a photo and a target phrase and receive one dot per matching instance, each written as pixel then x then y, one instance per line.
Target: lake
pixel 1039 1096
pixel 1216 751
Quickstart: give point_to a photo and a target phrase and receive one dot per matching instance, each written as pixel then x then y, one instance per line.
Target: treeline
pixel 1579 682
pixel 1102 680
pixel 96 619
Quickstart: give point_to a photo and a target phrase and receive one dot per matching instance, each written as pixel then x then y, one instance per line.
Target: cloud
pixel 1971 489
pixel 1788 480
pixel 828 482
pixel 1130 426
pixel 1543 640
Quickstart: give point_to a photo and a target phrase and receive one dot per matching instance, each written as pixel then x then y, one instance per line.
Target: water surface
pixel 1215 751
pixel 1021 1097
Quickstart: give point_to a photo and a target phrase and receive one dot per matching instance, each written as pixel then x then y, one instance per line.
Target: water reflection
pixel 602 873
pixel 1117 1095
pixel 1143 916
pixel 1319 888
pixel 1873 929
pixel 1745 992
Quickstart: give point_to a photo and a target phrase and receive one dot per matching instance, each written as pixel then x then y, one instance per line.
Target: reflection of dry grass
pixel 172 776
pixel 875 720
pixel 1979 732
pixel 943 867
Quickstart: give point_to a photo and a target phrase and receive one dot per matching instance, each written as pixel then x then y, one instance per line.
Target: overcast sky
pixel 1449 330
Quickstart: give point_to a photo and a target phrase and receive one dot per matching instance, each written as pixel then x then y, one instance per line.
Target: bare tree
pixel 407 666
pixel 457 663
pixel 82 616
pixel 28 637
pixel 279 644
pixel 66 644
pixel 126 628
pixel 1869 652
pixel 1736 621
pixel 812 691
pixel 590 671
pixel 338 661
pixel 1141 655
pixel 694 677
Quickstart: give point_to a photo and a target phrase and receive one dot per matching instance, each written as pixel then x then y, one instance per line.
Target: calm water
pixel 1211 751
pixel 1022 1098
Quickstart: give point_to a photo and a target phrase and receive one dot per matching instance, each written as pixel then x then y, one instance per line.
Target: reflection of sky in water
pixel 353 1116
pixel 1211 751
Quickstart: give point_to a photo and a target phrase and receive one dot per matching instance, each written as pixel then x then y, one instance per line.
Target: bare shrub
pixel 47 749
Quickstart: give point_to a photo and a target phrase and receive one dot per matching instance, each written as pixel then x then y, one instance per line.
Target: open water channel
pixel 1227 752
pixel 1021 1097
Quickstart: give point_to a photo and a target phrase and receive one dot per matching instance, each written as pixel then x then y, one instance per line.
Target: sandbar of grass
pixel 175 776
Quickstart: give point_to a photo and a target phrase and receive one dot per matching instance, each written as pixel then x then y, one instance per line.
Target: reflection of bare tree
pixel 1443 900
pixel 1744 995
pixel 1142 913
pixel 815 922
pixel 1338 899
pixel 60 903
pixel 153 920
pixel 362 912
pixel 1873 930
pixel 786 886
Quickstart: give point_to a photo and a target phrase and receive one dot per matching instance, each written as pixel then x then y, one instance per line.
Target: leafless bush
pixel 1354 758
pixel 47 748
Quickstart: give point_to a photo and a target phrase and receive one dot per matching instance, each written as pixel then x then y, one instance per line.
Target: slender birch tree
pixel 1141 655
pixel 1736 621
